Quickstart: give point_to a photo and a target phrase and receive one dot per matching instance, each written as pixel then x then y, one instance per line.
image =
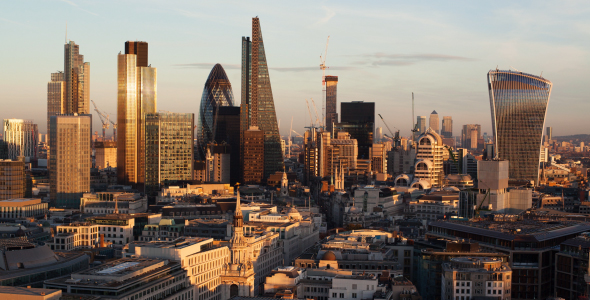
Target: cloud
pixel 384 59
pixel 10 21
pixel 72 3
pixel 329 15
pixel 207 66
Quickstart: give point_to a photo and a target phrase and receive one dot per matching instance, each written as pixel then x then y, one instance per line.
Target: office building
pixel 113 202
pixel 378 159
pixel 257 107
pixel 77 79
pixel 105 155
pixel 28 293
pixel 331 83
pixel 549 133
pixel 466 135
pixel 253 153
pixel 358 119
pixel 21 138
pixel 137 97
pixel 571 268
pixel 228 132
pixel 447 127
pixel 519 106
pixel 429 158
pixel 168 149
pixel 421 124
pixel 216 93
pixel 70 159
pixel 128 278
pixel 471 277
pixel 16 208
pixel 12 179
pixel 218 163
pixel 434 122
pixel 56 96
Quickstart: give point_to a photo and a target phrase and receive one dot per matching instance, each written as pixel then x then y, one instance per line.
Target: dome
pixel 402 180
pixel 431 136
pixel 354 210
pixel 329 256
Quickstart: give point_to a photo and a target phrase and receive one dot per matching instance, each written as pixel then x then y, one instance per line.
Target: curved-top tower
pixel 217 92
pixel 519 105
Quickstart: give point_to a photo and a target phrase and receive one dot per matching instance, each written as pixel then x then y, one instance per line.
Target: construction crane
pixel 309 111
pixel 297 133
pixel 393 137
pixel 317 117
pixel 103 118
pixel 323 67
pixel 114 130
pixel 290 130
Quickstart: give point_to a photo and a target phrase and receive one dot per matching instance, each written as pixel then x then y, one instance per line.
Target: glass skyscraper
pixel 434 121
pixel 358 119
pixel 257 107
pixel 77 78
pixel 331 102
pixel 216 93
pixel 447 127
pixel 518 103
pixel 137 97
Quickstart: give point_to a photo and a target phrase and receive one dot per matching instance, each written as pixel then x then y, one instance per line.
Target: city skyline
pixel 369 69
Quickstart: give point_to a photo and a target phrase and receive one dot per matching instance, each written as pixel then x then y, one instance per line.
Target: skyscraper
pixel 434 122
pixel 77 78
pixel 331 102
pixel 421 121
pixel 519 105
pixel 216 93
pixel 549 133
pixel 228 131
pixel 447 127
pixel 257 107
pixel 56 96
pixel 137 97
pixel 168 149
pixel 69 160
pixel 12 179
pixel 358 119
pixel 21 138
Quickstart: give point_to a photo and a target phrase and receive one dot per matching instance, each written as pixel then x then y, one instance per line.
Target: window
pixel 353 295
pixel 334 295
pixel 341 295
pixel 354 287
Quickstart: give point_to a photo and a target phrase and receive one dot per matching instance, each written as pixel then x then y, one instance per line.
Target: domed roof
pixel 432 136
pixel 293 210
pixel 329 256
pixel 354 210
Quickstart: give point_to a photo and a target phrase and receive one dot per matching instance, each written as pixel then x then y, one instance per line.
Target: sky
pixel 382 51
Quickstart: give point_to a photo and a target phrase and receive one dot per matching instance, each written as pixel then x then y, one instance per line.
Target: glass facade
pixel 168 149
pixel 257 101
pixel 331 102
pixel 77 78
pixel 136 97
pixel 56 90
pixel 358 119
pixel 447 127
pixel 21 138
pixel 518 103
pixel 216 93
pixel 69 159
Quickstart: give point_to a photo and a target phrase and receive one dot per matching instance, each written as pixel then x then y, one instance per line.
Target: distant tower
pixel 434 121
pixel 331 102
pixel 77 80
pixel 56 96
pixel 447 127
pixel 519 105
pixel 421 121
pixel 284 185
pixel 549 133
pixel 21 138
pixel 257 107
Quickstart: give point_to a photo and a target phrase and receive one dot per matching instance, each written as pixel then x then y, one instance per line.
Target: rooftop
pixel 21 291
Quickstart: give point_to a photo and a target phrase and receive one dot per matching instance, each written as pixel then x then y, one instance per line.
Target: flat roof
pixel 178 243
pixel 22 291
pixel 17 202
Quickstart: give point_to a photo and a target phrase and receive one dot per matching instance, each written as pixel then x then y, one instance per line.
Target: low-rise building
pixel 75 236
pixel 353 287
pixel 19 208
pixel 434 206
pixel 28 293
pixel 476 277
pixel 128 278
pixel 113 202
pixel 284 278
pixel 166 230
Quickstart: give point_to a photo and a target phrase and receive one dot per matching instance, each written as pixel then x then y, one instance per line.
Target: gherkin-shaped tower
pixel 216 93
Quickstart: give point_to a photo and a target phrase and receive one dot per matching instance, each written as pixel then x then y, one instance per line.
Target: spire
pixel 238 217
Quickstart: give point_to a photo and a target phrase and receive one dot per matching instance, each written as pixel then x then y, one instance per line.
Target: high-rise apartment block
pixel 421 122
pixel 168 149
pixel 21 138
pixel 258 109
pixel 12 179
pixel 77 78
pixel 519 106
pixel 358 119
pixel 447 127
pixel 69 160
pixel 434 121
pixel 137 97
pixel 331 101
pixel 216 93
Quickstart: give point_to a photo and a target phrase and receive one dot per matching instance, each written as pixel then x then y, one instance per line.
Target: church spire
pixel 238 217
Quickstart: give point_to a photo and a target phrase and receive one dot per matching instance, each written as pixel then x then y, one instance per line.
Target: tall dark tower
pixel 331 102
pixel 257 108
pixel 140 49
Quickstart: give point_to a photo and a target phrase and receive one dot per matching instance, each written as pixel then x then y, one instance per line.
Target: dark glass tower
pixel 228 131
pixel 257 108
pixel 518 102
pixel 331 101
pixel 216 93
pixel 358 119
